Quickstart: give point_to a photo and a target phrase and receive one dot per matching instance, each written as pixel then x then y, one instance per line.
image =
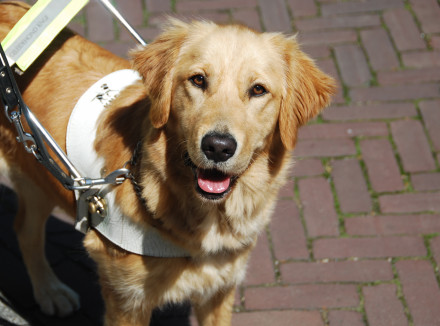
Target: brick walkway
pixel 355 237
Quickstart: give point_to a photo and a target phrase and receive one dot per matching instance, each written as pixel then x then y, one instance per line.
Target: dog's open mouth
pixel 211 184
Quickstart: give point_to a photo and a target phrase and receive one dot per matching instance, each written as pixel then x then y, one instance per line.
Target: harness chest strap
pixel 80 138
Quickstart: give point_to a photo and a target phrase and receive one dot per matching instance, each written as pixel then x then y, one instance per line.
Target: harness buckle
pixel 97 205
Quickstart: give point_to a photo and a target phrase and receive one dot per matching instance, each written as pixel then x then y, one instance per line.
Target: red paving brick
pixel 410 202
pixel 421 59
pixel 412 145
pixel 260 269
pixel 342 271
pixel 381 163
pixel 375 153
pixel 395 93
pixel 382 247
pixel 289 240
pixel 318 208
pixel 412 76
pixel 325 148
pixel 302 296
pixel 426 181
pixel 382 306
pixel 351 186
pixel 343 130
pixel 370 112
pixel 352 65
pixel 308 167
pixel 393 224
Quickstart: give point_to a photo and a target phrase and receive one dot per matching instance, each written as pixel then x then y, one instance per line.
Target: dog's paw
pixel 57 299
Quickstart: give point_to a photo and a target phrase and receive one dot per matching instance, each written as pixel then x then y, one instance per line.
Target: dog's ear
pixel 307 91
pixel 155 63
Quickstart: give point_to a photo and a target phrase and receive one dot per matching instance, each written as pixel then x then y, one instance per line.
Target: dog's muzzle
pixel 214 184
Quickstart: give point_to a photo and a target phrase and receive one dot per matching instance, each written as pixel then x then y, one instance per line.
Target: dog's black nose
pixel 218 147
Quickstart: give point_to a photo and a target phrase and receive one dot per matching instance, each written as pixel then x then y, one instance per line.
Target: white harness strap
pixel 80 139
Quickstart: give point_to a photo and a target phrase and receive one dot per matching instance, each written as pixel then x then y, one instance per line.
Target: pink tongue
pixel 214 184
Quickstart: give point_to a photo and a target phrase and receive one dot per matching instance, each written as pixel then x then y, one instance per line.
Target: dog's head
pixel 227 90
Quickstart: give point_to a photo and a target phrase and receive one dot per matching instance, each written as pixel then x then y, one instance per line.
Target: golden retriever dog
pixel 216 113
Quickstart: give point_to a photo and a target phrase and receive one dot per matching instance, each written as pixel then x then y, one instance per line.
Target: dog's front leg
pixel 53 296
pixel 216 311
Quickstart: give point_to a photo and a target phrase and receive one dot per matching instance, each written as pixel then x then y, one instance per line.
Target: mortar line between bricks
pixel 373 81
pixel 241 307
pixel 336 203
pixel 345 87
pixel 291 17
pixel 404 175
pixel 289 14
pixel 145 14
pixel 325 316
pixel 116 30
pixel 318 9
pixel 297 200
pixel 426 132
pixel 372 283
pixel 399 293
pixel 406 181
pixel 274 259
pixel 341 215
pixel 361 308
pixel 373 194
pixel 427 241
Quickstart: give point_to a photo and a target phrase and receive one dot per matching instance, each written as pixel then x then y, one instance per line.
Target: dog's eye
pixel 257 90
pixel 198 81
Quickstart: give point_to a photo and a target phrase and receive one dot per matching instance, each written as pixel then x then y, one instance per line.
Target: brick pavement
pixel 355 236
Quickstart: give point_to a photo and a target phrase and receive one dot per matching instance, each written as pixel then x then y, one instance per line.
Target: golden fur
pixel 171 114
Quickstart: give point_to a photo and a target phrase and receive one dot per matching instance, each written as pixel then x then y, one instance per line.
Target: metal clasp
pixel 116 177
pixel 24 137
pixel 97 205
